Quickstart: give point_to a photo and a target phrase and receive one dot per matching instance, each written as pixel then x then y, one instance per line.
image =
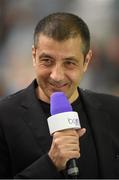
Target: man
pixel 61 54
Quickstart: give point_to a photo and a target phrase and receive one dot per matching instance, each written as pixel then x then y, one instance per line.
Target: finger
pixel 81 132
pixel 69 147
pixel 67 132
pixel 66 140
pixel 72 154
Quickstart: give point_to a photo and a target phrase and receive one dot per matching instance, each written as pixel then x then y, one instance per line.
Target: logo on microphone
pixel 74 121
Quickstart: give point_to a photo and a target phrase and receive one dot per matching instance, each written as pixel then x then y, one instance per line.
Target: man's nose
pixel 57 73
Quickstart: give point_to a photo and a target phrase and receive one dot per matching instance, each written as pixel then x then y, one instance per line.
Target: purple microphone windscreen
pixel 59 103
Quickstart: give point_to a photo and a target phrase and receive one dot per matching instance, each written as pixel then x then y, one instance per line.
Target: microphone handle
pixel 72 168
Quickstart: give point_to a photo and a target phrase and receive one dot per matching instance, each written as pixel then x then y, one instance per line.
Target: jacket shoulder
pixel 22 97
pixel 102 100
pixel 12 99
pixel 107 101
pixel 102 96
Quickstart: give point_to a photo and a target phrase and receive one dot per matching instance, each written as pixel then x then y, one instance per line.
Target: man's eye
pixel 70 63
pixel 46 61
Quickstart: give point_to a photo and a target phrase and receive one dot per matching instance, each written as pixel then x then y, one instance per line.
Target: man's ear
pixel 34 55
pixel 87 60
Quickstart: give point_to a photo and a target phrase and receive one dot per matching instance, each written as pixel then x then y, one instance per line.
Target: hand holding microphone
pixel 66 130
pixel 65 146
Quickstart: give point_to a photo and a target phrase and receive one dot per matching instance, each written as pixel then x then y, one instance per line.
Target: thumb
pixel 81 132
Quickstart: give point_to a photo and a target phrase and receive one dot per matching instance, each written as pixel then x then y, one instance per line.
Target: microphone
pixel 63 117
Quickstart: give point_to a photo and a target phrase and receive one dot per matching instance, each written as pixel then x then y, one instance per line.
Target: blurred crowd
pixel 17 22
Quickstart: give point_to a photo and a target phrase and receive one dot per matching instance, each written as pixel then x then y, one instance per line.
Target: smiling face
pixel 59 66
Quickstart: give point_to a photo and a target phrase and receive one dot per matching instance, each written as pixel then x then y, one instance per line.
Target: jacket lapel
pixel 101 129
pixel 35 118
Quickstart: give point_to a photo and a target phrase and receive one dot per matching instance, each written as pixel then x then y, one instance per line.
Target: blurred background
pixel 18 20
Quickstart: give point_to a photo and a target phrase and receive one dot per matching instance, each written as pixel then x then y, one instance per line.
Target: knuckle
pixel 77 155
pixel 55 135
pixel 62 156
pixel 56 142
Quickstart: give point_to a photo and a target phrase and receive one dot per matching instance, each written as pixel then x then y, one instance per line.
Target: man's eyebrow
pixel 45 55
pixel 71 58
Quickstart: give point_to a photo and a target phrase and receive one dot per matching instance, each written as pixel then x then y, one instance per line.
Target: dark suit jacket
pixel 25 139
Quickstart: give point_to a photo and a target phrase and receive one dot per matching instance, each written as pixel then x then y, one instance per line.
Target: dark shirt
pixel 88 162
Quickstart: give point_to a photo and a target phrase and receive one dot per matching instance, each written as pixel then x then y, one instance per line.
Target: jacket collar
pixel 35 118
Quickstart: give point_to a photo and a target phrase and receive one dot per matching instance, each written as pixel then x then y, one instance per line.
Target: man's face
pixel 59 66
